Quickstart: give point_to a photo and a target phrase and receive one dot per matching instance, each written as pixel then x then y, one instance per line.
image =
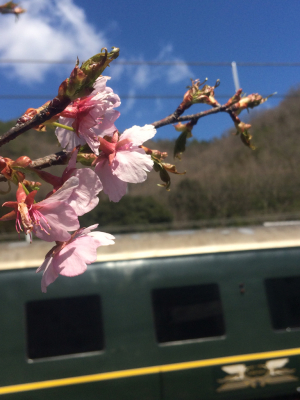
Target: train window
pixel 284 302
pixel 64 326
pixel 189 312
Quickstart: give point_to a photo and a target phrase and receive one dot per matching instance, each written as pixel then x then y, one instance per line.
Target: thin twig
pixel 56 106
pixel 62 157
pixel 171 118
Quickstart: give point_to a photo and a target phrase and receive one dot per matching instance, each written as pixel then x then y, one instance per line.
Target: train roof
pixel 21 254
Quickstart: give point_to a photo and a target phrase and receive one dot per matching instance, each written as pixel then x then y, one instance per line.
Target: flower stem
pixel 69 128
pixel 25 189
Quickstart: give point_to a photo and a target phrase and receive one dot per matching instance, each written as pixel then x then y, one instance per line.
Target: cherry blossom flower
pixel 49 219
pixel 84 196
pixel 122 161
pixel 90 117
pixel 70 258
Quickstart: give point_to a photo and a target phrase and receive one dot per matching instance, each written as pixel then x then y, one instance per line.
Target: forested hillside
pixel 224 178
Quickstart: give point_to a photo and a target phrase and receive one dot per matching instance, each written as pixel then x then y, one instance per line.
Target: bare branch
pixel 59 158
pixel 172 118
pixel 55 106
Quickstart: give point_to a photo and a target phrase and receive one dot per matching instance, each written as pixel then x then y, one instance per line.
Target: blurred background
pixel 162 46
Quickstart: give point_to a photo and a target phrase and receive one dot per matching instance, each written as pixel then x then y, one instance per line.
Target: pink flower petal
pixel 64 192
pixel 137 135
pixel 71 258
pixel 50 273
pixel 100 84
pixel 60 217
pixel 84 252
pixel 84 198
pixel 132 165
pixel 112 185
pixel 102 238
pixel 68 139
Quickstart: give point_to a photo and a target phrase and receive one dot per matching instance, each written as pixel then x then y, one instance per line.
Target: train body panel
pixel 219 325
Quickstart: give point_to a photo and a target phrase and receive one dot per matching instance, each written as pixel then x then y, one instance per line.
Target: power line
pixel 160 63
pixel 126 96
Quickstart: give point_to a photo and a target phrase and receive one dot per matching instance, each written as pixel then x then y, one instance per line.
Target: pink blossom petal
pixel 112 185
pixel 84 198
pixel 50 273
pixel 106 125
pixel 71 167
pixel 60 217
pixel 68 139
pixel 105 101
pixel 132 166
pixel 85 231
pixel 92 140
pixel 137 135
pixel 64 192
pixel 102 238
pixel 100 84
pixel 72 259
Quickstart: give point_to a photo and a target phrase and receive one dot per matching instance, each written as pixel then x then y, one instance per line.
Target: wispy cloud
pixel 140 77
pixel 143 76
pixel 49 30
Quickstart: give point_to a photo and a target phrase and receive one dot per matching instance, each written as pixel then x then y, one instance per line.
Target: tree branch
pixel 56 106
pixel 59 158
pixel 172 118
pixel 62 157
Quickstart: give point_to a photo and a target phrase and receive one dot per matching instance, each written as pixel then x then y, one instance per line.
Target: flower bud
pixel 186 133
pixel 155 154
pixel 11 8
pixel 204 95
pixel 242 129
pixel 31 112
pixel 250 101
pixel 7 168
pixel 164 169
pixel 86 158
pixel 80 83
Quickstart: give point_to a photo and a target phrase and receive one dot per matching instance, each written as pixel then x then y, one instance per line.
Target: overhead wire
pixel 160 63
pixel 148 63
pixel 125 96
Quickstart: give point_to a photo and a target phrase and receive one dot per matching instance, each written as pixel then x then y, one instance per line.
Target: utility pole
pixel 235 76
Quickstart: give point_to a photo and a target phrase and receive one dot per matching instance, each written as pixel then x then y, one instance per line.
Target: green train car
pixel 194 315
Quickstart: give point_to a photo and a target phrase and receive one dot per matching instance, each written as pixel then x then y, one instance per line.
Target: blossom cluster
pixel 84 113
pixel 118 159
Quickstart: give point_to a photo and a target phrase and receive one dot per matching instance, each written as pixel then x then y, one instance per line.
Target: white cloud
pixel 143 76
pixel 49 30
pixel 177 73
pixel 127 105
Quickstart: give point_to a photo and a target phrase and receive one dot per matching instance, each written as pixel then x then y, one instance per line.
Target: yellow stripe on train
pixel 147 370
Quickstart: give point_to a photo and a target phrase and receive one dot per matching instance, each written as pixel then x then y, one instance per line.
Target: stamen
pixel 36 217
pixel 18 224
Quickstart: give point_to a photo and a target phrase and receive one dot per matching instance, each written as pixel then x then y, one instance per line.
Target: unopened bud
pixel 22 162
pixel 250 101
pixel 186 133
pixel 86 159
pixel 80 83
pixel 196 94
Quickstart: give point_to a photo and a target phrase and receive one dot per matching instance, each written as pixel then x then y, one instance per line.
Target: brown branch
pixel 172 118
pixel 59 158
pixel 79 84
pixel 56 106
pixel 62 157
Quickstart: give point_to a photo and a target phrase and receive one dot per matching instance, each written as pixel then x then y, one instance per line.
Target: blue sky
pixel 190 31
